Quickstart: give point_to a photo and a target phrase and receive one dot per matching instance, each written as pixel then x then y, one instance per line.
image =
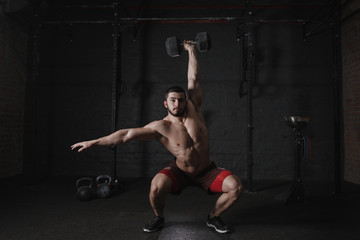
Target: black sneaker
pixel 154 224
pixel 218 225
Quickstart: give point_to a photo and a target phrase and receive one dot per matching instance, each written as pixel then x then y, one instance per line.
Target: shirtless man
pixel 183 133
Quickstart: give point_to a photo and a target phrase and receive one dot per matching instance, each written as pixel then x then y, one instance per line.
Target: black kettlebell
pixel 103 183
pixel 84 189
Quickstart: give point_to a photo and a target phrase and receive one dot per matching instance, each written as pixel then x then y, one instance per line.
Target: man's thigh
pixel 162 182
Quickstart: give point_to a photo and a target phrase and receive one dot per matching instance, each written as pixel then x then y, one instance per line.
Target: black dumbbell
pixel 174 46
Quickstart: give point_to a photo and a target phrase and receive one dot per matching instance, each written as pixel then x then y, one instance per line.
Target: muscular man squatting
pixel 183 133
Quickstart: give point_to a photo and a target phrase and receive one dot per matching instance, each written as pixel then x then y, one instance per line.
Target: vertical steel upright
pixel 297 191
pixel 115 76
pixel 31 161
pixel 337 72
pixel 249 78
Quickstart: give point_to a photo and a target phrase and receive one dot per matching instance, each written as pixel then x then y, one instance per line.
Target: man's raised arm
pixel 195 93
pixel 121 136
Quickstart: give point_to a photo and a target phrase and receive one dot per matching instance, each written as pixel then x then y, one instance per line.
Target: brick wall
pixel 351 90
pixel 13 54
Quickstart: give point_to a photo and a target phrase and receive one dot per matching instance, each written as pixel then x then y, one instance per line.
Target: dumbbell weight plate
pixel 173 46
pixel 203 42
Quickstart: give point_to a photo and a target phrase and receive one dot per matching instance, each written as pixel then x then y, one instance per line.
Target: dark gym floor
pixel 51 211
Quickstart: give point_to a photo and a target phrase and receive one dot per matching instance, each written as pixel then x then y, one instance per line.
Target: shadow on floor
pixel 50 210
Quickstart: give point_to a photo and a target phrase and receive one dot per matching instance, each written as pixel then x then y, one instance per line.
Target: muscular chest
pixel 196 129
pixel 188 134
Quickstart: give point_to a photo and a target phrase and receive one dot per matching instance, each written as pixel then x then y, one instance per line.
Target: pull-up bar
pixel 200 7
pixel 180 20
pixel 156 20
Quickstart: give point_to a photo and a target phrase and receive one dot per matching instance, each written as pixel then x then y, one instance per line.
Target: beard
pixel 179 113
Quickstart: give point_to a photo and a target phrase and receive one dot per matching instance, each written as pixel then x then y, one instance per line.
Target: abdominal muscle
pixel 192 160
pixel 187 141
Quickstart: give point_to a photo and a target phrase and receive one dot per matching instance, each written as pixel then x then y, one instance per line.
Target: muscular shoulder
pixel 157 125
pixel 160 127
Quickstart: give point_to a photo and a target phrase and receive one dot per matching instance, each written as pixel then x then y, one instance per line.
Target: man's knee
pixel 160 184
pixel 234 186
pixel 239 189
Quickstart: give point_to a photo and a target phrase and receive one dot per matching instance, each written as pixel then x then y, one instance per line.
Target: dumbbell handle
pixel 190 42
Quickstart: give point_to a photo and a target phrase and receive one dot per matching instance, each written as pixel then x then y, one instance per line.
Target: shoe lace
pixel 155 220
pixel 218 221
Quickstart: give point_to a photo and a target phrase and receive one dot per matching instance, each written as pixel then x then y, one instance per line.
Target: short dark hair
pixel 177 89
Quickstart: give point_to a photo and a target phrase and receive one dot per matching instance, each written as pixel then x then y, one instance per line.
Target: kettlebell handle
pixel 103 177
pixel 84 179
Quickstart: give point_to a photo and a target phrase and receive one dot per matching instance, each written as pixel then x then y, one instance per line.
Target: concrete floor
pixel 51 211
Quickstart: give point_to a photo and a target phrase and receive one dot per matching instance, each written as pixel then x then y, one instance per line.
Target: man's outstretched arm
pixel 195 93
pixel 119 137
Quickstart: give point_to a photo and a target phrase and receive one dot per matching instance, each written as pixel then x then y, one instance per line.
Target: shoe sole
pixel 154 230
pixel 218 230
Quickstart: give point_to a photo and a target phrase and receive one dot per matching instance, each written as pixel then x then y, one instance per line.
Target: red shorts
pixel 210 179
